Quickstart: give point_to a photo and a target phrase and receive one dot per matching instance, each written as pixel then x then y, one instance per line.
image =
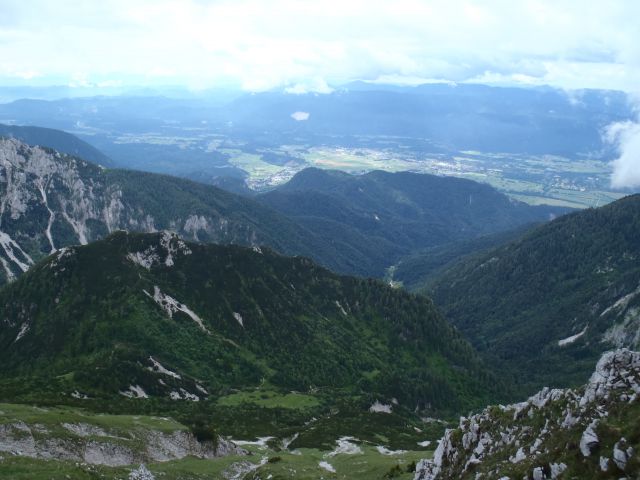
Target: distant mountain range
pixel 544 307
pixel 432 118
pixel 448 117
pixel 150 315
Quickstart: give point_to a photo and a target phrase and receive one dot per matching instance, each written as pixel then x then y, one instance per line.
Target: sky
pixel 313 45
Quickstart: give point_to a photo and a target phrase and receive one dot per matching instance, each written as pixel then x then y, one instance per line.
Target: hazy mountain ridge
pixel 462 117
pixel 58 140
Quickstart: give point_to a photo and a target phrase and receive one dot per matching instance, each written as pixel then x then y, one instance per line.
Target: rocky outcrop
pixel 141 473
pixel 554 434
pixel 96 446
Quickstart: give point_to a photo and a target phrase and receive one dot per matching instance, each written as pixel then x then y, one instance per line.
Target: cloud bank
pixel 305 45
pixel 626 168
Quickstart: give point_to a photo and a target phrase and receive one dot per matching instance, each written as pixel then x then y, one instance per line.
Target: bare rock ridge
pixel 557 433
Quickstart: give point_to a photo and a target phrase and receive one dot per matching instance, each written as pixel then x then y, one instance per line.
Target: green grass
pixel 251 163
pixel 301 462
pixel 349 160
pixel 270 399
pixel 198 468
pixel 53 416
pixel 22 468
pixel 368 465
pixel 540 200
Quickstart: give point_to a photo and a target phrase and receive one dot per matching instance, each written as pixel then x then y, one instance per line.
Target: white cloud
pixel 408 80
pixel 317 85
pixel 626 168
pixel 305 45
pixel 300 116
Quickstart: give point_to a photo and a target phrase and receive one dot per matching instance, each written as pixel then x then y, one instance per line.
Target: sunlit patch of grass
pixel 55 416
pixel 270 399
pixel 24 468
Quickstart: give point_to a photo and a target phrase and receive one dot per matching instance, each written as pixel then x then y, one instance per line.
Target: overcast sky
pixel 307 45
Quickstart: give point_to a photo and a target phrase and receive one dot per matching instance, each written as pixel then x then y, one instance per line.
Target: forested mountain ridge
pixel 417 270
pixel 545 306
pixel 133 307
pixel 380 217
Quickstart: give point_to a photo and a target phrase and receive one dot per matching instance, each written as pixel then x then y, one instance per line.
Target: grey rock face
pixel 141 473
pixel 621 454
pixel 50 200
pixel 589 439
pixel 144 445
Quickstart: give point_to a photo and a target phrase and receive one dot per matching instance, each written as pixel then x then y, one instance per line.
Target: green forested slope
pixel 50 200
pixel 96 314
pixel 544 307
pixel 386 216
